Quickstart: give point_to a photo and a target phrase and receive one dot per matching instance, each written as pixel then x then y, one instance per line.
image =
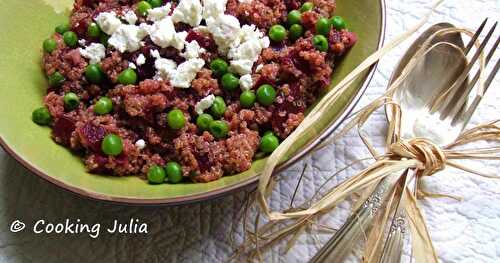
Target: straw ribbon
pixel 430 155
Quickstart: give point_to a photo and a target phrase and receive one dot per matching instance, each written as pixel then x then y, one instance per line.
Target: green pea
pixel 277 33
pixel 294 17
pixel 230 82
pixel 127 77
pixel 103 106
pixel 156 175
pixel 49 45
pixel 112 145
pixel 338 22
pixel 307 6
pixel 320 43
pixel 296 31
pixel 155 3
pixel 63 28
pixel 104 39
pixel 203 121
pixel 41 116
pixel 71 101
pixel 247 99
pixel 218 107
pixel 94 74
pixel 219 129
pixel 56 79
pixel 323 26
pixel 269 143
pixel 176 119
pixel 266 95
pixel 268 133
pixel 143 8
pixel 174 172
pixel 219 67
pixel 70 39
pixel 94 30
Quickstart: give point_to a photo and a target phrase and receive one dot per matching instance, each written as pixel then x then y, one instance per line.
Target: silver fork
pixel 453 109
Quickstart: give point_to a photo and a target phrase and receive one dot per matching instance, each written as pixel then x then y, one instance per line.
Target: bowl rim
pixel 214 194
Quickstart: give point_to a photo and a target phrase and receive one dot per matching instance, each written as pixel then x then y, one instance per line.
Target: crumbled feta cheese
pixel 189 12
pixel 202 29
pixel 141 60
pixel 204 104
pixel 245 1
pixel 245 53
pixel 127 38
pixel 242 66
pixel 225 29
pixel 82 42
pixel 140 144
pixel 259 68
pixel 155 53
pixel 193 50
pixel 130 17
pixel 246 82
pixel 213 8
pixel 163 34
pixel 165 68
pixel 95 52
pixel 158 13
pixel 132 65
pixel 108 22
pixel 186 72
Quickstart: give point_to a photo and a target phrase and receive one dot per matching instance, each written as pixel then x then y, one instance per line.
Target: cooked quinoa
pixel 140 109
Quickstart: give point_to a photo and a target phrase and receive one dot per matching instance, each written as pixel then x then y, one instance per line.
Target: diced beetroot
pixel 352 39
pixel 292 4
pixel 204 41
pixel 204 162
pixel 92 136
pixel 121 160
pixel 63 128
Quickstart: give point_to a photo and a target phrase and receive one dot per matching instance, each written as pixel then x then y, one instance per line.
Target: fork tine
pixel 463 97
pixel 475 37
pixel 454 88
pixel 478 99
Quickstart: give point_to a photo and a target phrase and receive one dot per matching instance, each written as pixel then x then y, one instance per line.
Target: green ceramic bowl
pixel 25 24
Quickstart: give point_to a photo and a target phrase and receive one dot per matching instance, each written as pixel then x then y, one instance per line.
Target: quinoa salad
pixel 186 90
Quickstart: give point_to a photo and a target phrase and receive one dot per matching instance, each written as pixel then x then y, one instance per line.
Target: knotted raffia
pixel 432 158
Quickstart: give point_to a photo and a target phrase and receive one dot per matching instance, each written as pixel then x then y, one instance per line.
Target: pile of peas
pixel 265 95
pixel 278 33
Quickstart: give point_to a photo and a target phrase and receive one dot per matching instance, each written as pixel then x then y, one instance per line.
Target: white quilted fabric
pixel 467 231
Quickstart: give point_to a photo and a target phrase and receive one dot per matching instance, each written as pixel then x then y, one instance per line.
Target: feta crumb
pixel 155 53
pixel 95 53
pixel 141 60
pixel 127 38
pixel 140 144
pixel 204 104
pixel 82 42
pixel 245 1
pixel 259 68
pixel 163 34
pixel 132 65
pixel 158 13
pixel 225 29
pixel 193 50
pixel 165 68
pixel 130 17
pixel 246 82
pixel 213 8
pixel 189 12
pixel 108 22
pixel 241 66
pixel 186 72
